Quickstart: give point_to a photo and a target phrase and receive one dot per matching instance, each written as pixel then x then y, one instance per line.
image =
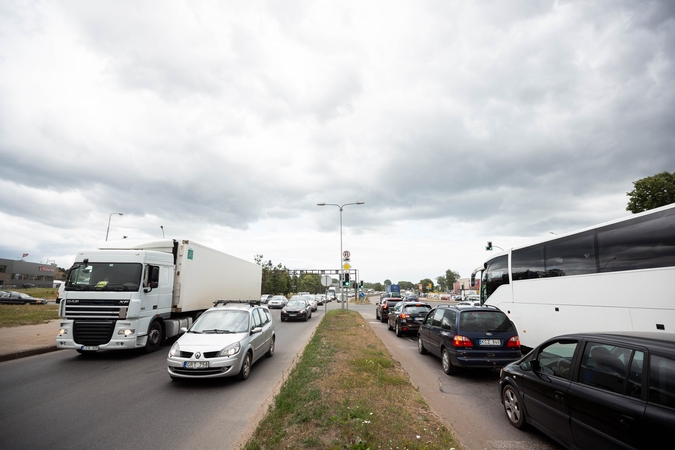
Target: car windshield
pixel 225 321
pixel 483 321
pixel 295 303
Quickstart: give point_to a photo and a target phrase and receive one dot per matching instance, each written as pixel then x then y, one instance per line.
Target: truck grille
pixel 93 332
pixel 111 309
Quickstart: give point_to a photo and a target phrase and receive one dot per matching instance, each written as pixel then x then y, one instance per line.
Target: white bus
pixel 617 276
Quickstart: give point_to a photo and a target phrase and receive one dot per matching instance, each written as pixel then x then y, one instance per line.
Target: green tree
pixel 441 284
pixel 652 192
pixel 406 285
pixel 451 277
pixel 275 279
pixel 425 285
pixel 387 282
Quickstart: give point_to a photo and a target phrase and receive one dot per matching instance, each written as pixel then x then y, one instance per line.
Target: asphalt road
pixel 469 402
pixel 114 400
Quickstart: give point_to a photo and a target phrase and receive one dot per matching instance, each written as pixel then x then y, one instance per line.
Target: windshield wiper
pixel 216 330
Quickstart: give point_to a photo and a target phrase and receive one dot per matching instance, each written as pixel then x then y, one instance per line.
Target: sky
pixel 227 122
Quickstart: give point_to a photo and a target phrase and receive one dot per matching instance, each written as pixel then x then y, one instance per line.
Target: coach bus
pixel 617 276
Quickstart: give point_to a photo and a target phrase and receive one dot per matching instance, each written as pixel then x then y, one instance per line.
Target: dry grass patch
pixel 347 392
pixel 18 315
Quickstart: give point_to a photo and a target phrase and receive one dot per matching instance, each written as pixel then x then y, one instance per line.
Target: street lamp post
pixel 108 230
pixel 342 292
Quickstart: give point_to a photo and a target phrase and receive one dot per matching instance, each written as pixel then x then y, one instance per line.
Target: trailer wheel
pixel 155 337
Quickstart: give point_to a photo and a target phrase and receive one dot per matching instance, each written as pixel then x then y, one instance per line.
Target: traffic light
pixel 489 246
pixel 346 276
pixel 346 280
pixel 361 285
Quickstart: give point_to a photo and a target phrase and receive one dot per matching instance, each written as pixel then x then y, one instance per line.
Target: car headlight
pixel 175 350
pixel 230 350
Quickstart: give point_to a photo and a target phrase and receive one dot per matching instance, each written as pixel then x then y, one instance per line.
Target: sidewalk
pixel 28 340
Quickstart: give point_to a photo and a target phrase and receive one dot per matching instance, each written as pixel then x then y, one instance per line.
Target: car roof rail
pixel 249 302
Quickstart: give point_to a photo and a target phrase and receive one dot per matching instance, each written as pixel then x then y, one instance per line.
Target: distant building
pixel 18 273
pixel 463 286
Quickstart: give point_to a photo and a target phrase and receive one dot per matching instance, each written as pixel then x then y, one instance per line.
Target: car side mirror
pixel 256 330
pixel 530 366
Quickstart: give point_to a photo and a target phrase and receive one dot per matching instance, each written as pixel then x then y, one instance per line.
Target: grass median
pixel 347 392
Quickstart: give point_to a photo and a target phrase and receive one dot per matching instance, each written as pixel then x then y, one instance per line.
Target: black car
pixel 407 317
pixel 469 337
pixel 385 306
pixel 596 390
pixel 297 308
pixel 19 298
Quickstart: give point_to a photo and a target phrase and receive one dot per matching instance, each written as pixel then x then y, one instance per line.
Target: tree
pixel 652 192
pixel 427 285
pixel 275 280
pixel 387 282
pixel 451 277
pixel 441 283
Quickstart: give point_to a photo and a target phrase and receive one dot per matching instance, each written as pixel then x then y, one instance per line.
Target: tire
pixel 389 327
pixel 398 331
pixel 270 352
pixel 245 368
pixel 382 319
pixel 513 406
pixel 420 346
pixel 155 337
pixel 448 368
pixel 377 315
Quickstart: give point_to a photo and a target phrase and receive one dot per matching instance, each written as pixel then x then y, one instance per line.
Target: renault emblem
pixel 198 355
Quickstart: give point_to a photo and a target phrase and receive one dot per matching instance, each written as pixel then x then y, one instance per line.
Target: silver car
pixel 225 341
pixel 277 301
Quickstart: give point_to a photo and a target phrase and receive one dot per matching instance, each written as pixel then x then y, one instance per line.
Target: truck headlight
pixel 126 332
pixel 230 350
pixel 63 332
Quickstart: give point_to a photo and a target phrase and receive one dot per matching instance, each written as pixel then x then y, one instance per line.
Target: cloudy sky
pixel 226 122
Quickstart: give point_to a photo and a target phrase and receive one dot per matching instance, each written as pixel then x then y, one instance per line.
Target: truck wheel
pixel 245 367
pixel 155 337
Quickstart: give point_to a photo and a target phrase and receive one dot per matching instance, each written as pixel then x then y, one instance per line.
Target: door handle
pixel 626 421
pixel 559 395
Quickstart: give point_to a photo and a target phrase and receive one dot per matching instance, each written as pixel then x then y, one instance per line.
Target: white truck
pixel 136 293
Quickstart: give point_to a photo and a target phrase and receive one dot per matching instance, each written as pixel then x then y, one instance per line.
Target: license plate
pixel 88 348
pixel 489 342
pixel 292 315
pixel 196 365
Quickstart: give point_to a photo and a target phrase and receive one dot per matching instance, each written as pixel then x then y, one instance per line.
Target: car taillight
pixel 403 316
pixel 384 306
pixel 462 341
pixel 514 342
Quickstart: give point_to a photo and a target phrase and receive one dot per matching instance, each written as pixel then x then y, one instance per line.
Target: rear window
pixel 417 309
pixel 482 321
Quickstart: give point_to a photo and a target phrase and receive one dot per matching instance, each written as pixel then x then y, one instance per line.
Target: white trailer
pixel 136 293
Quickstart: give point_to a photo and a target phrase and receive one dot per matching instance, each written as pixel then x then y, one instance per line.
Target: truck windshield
pixel 104 277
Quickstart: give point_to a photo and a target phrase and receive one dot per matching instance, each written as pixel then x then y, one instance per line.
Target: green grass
pixel 347 392
pixel 18 315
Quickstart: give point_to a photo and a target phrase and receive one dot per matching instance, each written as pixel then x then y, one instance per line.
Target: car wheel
pixel 420 346
pixel 270 352
pixel 513 406
pixel 155 337
pixel 377 315
pixel 389 327
pixel 447 364
pixel 398 330
pixel 245 367
pixel 383 319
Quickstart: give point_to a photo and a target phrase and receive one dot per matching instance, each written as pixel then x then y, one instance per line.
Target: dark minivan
pixel 478 337
pixel 596 390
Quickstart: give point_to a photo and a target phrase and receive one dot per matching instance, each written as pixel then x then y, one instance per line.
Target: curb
pixel 25 353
